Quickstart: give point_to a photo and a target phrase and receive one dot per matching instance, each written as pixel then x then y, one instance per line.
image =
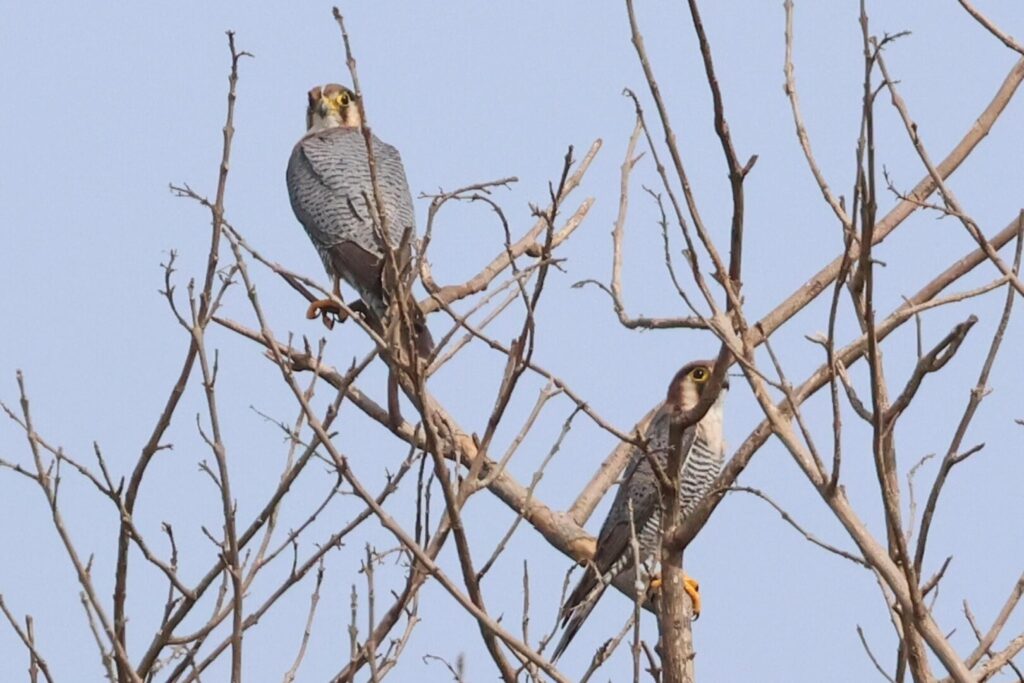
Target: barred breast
pixel 701 468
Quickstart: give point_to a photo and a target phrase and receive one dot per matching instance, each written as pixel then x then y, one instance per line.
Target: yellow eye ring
pixel 699 375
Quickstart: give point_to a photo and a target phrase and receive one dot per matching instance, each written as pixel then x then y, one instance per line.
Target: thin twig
pixel 313 601
pixel 786 517
pixel 990 26
pixel 871 655
pixel 27 637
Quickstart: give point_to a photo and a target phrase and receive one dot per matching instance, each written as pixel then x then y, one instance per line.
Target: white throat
pixel 332 120
pixel 711 425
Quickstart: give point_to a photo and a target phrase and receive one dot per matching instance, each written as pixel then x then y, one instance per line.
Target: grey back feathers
pixel 332 195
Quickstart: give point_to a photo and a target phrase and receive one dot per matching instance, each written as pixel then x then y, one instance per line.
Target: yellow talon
pixel 690 585
pixel 692 589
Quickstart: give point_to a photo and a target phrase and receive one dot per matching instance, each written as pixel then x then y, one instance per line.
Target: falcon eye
pixel 699 375
pixel 343 98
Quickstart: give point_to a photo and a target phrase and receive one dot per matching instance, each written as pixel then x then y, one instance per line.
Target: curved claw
pixel 692 589
pixel 690 585
pixel 324 309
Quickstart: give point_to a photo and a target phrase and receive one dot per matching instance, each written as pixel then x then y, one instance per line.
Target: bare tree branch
pixel 36 661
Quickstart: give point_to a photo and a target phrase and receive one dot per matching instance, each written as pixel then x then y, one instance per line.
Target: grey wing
pixel 394 188
pixel 642 488
pixel 318 203
pixel 640 485
pixel 329 185
pixel 612 542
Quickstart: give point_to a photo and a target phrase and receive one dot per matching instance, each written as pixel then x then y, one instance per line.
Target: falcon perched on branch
pixel 703 449
pixel 332 195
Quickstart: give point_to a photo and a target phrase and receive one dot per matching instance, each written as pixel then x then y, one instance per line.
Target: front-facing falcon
pixel 703 447
pixel 332 195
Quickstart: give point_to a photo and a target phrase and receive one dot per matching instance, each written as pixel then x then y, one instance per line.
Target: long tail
pixel 424 340
pixel 424 344
pixel 574 618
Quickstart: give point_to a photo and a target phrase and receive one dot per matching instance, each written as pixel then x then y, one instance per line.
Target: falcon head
pixel 687 386
pixel 332 106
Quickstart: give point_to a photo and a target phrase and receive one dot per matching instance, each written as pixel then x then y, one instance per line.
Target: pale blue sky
pixel 106 103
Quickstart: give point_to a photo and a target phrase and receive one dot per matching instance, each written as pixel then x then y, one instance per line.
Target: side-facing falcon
pixel 331 192
pixel 703 447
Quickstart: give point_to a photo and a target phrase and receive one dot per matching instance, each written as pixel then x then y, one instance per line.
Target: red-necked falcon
pixel 703 447
pixel 332 195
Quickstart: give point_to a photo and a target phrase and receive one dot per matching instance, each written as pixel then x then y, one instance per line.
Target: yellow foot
pixel 324 309
pixel 692 589
pixel 690 585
